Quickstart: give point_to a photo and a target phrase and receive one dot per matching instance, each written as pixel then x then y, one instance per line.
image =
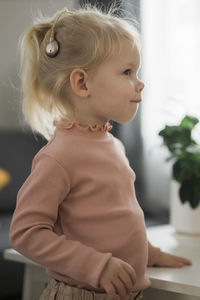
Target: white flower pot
pixel 183 218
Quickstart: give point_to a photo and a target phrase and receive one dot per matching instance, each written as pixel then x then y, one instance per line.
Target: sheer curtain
pixel 171 72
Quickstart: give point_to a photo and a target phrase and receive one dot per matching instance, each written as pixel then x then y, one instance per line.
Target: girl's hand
pixel 118 278
pixel 172 261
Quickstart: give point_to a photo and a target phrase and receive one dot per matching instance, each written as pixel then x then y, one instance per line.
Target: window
pixel 171 72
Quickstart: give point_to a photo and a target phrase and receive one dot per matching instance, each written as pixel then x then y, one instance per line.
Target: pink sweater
pixel 78 208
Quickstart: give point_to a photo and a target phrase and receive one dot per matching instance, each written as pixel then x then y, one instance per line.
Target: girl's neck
pixel 86 122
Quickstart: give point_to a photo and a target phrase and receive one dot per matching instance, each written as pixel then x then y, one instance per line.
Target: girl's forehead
pixel 127 52
pixel 125 55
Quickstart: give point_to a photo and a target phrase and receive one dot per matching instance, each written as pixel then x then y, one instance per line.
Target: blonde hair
pixel 86 37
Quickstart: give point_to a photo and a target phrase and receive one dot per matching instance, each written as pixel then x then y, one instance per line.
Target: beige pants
pixel 56 290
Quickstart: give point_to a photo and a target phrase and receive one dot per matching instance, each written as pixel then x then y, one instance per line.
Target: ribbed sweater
pixel 78 208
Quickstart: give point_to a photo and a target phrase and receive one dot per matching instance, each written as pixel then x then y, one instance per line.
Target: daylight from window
pixel 171 62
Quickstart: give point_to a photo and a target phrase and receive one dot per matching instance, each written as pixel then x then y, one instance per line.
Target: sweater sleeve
pixel 31 231
pixel 153 253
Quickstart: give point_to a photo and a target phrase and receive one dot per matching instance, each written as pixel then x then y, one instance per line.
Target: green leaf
pixel 184 192
pixel 190 192
pixel 176 138
pixel 182 170
pixel 189 122
pixel 186 167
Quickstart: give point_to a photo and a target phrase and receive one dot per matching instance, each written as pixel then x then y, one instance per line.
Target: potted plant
pixel 185 189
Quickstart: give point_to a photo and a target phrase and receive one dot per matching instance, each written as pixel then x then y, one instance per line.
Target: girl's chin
pixel 126 119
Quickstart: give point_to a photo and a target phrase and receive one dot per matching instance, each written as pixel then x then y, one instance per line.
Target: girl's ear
pixel 79 83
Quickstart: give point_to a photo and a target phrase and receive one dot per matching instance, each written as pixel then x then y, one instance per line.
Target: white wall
pixel 15 17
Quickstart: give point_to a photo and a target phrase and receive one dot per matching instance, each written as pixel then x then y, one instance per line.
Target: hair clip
pixel 53 46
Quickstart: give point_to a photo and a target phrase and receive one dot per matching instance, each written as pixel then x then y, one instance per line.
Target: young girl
pixel 77 213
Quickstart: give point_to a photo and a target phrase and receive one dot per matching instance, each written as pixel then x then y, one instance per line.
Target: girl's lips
pixel 136 101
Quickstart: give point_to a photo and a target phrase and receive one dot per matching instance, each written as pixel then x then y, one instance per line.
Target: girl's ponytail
pixel 34 97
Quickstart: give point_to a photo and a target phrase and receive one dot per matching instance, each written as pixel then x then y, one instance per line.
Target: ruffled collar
pixel 102 128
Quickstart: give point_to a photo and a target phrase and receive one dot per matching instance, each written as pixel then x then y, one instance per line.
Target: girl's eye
pixel 127 72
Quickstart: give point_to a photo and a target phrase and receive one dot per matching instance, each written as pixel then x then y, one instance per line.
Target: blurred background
pixel 170 33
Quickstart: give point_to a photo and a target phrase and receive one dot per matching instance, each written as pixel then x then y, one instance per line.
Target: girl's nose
pixel 140 86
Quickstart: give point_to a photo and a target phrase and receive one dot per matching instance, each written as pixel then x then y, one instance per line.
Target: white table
pixel 170 283
pixel 167 283
pixel 35 277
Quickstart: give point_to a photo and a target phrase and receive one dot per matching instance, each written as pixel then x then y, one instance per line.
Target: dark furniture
pixel 17 150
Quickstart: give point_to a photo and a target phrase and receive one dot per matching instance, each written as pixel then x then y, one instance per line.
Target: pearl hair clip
pixel 53 46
